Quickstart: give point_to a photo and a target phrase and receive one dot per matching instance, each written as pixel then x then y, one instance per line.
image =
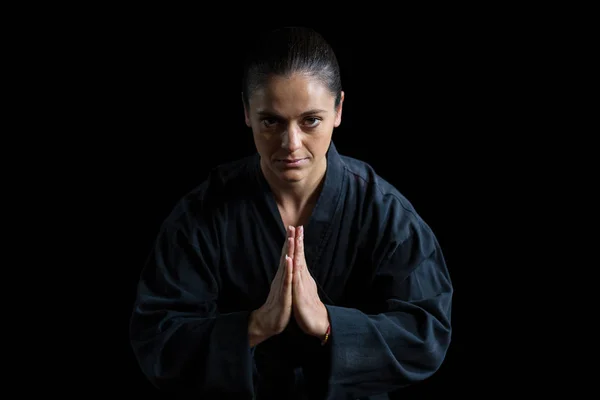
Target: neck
pixel 297 195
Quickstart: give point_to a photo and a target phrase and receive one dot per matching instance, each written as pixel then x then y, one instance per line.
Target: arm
pixel 403 340
pixel 180 339
pixel 402 330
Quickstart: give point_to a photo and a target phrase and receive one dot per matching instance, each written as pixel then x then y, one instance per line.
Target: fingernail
pixel 287 257
pixel 301 229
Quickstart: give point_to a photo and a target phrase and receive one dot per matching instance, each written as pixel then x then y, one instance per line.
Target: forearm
pixel 195 354
pixel 383 352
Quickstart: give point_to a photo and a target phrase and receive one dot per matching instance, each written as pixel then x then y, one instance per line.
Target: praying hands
pixel 293 292
pixel 309 311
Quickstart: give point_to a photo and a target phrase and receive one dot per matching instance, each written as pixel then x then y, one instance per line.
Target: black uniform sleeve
pixel 402 332
pixel 181 341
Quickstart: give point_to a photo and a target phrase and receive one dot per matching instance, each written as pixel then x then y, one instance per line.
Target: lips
pixel 292 163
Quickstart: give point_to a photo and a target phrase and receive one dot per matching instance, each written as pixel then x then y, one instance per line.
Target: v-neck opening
pixel 318 227
pixel 322 216
pixel 272 202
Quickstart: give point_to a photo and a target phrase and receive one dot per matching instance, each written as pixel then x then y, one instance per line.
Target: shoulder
pixel 223 183
pixel 378 189
pixel 392 212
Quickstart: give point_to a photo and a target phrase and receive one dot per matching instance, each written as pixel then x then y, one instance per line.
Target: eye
pixel 313 121
pixel 269 122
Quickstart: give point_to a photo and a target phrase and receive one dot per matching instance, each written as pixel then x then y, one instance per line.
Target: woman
pixel 295 272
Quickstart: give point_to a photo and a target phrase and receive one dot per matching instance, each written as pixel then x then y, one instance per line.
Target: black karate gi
pixel 378 266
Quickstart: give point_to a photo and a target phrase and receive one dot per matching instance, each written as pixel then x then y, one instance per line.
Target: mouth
pixel 292 162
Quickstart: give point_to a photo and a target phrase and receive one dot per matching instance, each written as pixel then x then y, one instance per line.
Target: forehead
pixel 292 95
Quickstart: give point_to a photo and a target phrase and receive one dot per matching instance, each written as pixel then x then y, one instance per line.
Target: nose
pixel 291 139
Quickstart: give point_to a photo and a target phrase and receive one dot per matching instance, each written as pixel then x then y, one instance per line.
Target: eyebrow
pixel 305 113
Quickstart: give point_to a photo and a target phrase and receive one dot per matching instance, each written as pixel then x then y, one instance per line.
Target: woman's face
pixel 292 120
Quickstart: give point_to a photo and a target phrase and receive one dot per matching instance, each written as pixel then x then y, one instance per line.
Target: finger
pixel 287 276
pixel 299 231
pixel 287 259
pixel 291 247
pixel 289 271
pixel 297 282
pixel 280 273
pixel 284 251
pixel 299 254
pixel 295 278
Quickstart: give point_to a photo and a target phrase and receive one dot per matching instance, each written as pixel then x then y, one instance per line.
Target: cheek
pixel 267 138
pixel 266 142
pixel 268 135
pixel 261 133
pixel 318 142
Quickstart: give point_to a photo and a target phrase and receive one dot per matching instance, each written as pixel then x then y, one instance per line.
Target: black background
pixel 411 111
pixel 441 109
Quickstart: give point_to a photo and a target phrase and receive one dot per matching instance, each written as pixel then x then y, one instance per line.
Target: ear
pixel 338 111
pixel 246 115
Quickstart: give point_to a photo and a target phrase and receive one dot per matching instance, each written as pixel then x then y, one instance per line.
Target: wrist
pixel 324 325
pixel 256 332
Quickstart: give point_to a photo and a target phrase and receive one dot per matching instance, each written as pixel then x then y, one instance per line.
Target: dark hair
pixel 288 50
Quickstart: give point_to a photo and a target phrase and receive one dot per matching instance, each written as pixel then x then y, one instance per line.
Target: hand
pixel 273 316
pixel 309 311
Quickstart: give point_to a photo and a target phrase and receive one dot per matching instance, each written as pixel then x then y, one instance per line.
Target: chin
pixel 291 176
